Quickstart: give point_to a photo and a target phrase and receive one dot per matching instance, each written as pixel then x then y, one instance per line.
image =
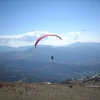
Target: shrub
pixel 70 85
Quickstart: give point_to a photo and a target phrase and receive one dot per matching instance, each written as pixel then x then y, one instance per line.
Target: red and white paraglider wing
pixel 46 36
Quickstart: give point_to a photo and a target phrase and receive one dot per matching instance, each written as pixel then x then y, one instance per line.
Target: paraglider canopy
pixel 52 57
pixel 44 37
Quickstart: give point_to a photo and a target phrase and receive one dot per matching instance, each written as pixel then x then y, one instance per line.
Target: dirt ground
pixel 43 91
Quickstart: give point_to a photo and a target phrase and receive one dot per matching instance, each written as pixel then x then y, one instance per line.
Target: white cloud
pixel 30 38
pixel 27 37
pixel 74 35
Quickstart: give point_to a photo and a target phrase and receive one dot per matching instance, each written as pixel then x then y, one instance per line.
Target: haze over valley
pixel 29 64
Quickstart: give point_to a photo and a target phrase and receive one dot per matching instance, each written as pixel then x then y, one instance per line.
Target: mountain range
pixel 32 64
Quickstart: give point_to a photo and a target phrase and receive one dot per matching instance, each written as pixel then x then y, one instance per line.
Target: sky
pixel 22 22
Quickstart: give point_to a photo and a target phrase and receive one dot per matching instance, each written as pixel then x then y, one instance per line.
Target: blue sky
pixel 23 21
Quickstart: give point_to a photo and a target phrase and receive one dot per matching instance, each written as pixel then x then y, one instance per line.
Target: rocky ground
pixel 44 91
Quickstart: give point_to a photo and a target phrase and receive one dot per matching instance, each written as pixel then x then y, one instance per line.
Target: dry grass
pixel 42 91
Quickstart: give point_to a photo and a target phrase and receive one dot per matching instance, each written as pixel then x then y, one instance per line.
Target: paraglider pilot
pixel 52 57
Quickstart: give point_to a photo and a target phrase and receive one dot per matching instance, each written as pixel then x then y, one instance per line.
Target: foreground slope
pixel 43 91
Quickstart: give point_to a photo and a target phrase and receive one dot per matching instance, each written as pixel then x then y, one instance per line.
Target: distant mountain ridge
pixel 35 64
pixel 9 48
pixel 64 54
pixel 91 44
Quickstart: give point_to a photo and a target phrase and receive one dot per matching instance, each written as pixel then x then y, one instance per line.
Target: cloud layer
pixel 27 37
pixel 30 38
